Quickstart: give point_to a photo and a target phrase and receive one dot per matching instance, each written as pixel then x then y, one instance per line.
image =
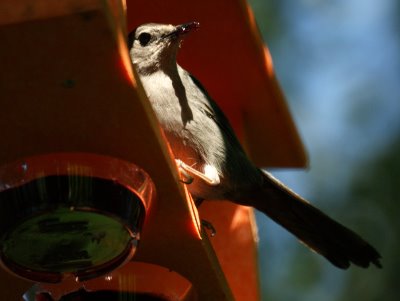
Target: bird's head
pixel 155 46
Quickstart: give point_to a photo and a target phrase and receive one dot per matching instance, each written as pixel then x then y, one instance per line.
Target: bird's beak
pixel 183 29
pixel 187 27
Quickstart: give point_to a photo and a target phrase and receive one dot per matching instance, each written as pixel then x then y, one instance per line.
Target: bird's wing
pixel 213 111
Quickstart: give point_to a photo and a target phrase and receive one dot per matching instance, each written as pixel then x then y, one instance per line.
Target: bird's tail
pixel 338 244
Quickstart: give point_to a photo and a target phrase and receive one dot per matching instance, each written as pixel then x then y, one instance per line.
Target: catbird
pixel 208 152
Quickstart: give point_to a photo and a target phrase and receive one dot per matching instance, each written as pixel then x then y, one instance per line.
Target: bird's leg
pixel 205 223
pixel 198 201
pixel 213 180
pixel 210 176
pixel 185 178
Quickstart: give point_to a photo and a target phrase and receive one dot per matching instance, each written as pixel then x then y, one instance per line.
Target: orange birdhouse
pixel 90 199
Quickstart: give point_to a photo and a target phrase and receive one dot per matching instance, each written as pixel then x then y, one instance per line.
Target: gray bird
pixel 207 150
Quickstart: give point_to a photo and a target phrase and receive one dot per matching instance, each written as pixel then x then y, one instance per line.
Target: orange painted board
pixel 235 244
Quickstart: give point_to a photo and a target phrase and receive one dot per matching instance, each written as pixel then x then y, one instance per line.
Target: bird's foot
pixel 209 226
pixel 185 177
pixel 210 175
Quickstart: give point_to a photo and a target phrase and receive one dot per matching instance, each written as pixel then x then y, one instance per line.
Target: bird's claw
pixel 211 176
pixel 185 178
pixel 209 226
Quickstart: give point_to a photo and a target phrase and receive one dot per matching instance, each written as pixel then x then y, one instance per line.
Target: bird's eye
pixel 144 38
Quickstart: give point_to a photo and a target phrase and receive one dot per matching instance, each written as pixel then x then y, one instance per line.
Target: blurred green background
pixel 338 63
